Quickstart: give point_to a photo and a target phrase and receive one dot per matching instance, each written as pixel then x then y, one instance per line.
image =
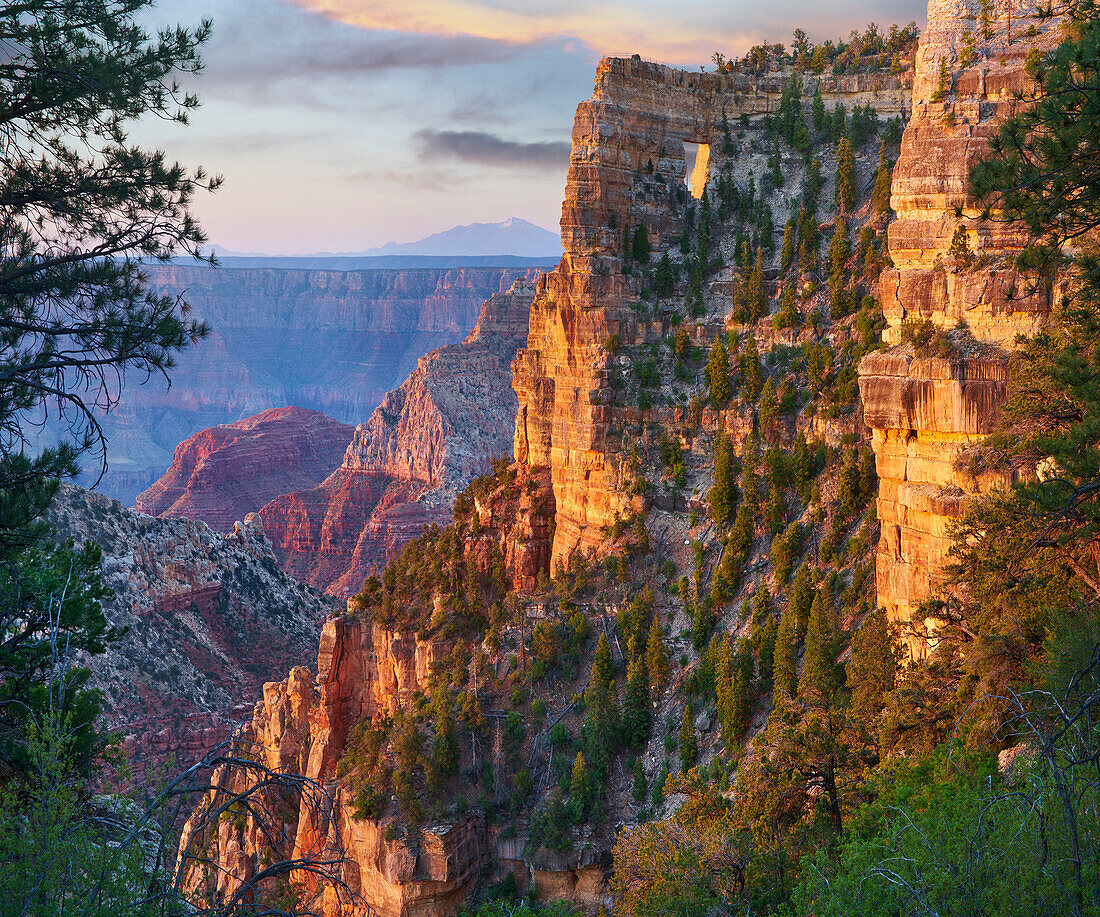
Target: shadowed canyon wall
pixel 927 409
pixel 332 341
pixel 426 441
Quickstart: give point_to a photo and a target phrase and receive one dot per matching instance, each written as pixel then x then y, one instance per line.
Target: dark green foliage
pixel 656 657
pixel 641 249
pixel 689 745
pixel 636 709
pixel 845 176
pixel 943 82
pixel 818 110
pixel 79 205
pixel 819 671
pixel 880 196
pixel 663 279
pixel 723 495
pixel 873 667
pixel 580 790
pixel 786 256
pixel 600 708
pixel 718 374
pixel 785 670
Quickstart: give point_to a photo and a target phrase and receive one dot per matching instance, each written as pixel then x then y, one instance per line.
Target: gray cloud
pixel 488 149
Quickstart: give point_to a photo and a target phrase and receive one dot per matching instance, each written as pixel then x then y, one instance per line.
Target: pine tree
pixel 880 197
pixel 723 495
pixel 960 247
pixel 802 597
pixel 752 373
pixel 775 510
pixel 656 659
pixel 718 374
pixel 786 257
pixel 600 707
pixel 840 250
pixel 445 744
pixel 641 244
pixel 756 294
pixel 636 713
pixel 943 82
pixel 663 279
pixel 689 746
pixel 837 122
pixel 580 789
pixel 845 176
pixel 785 672
pixel 985 14
pixel 818 109
pixel 819 670
pixel 873 666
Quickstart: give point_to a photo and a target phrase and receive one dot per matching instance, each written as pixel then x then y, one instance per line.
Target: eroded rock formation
pixel 268 326
pixel 221 474
pixel 424 443
pixel 630 132
pixel 208 618
pixel 926 410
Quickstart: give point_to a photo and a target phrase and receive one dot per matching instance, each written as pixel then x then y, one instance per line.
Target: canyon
pixel 400 470
pixel 266 327
pixel 577 502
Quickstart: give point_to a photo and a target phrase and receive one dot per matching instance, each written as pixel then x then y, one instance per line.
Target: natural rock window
pixel 696 167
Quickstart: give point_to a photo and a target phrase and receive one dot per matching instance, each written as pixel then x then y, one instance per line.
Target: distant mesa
pixel 221 474
pixel 510 242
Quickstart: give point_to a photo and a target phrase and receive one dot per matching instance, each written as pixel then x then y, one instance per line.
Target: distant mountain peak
pixel 513 236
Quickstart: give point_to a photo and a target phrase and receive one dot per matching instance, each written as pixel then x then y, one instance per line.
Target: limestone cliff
pixel 925 406
pixel 221 474
pixel 627 169
pixel 427 440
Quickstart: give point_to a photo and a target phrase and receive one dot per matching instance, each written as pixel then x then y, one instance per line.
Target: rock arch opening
pixel 696 167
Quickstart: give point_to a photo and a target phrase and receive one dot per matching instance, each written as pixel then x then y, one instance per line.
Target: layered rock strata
pixel 221 474
pixel 365 672
pixel 426 441
pixel 206 617
pixel 268 326
pixel 926 411
pixel 627 169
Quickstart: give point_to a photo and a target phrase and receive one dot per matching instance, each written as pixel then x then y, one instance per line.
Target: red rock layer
pixel 425 442
pixel 925 413
pixel 221 474
pixel 635 125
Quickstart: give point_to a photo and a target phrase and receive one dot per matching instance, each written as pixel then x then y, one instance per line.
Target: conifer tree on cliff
pixel 80 207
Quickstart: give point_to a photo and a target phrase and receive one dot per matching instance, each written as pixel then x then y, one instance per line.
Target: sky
pixel 339 125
